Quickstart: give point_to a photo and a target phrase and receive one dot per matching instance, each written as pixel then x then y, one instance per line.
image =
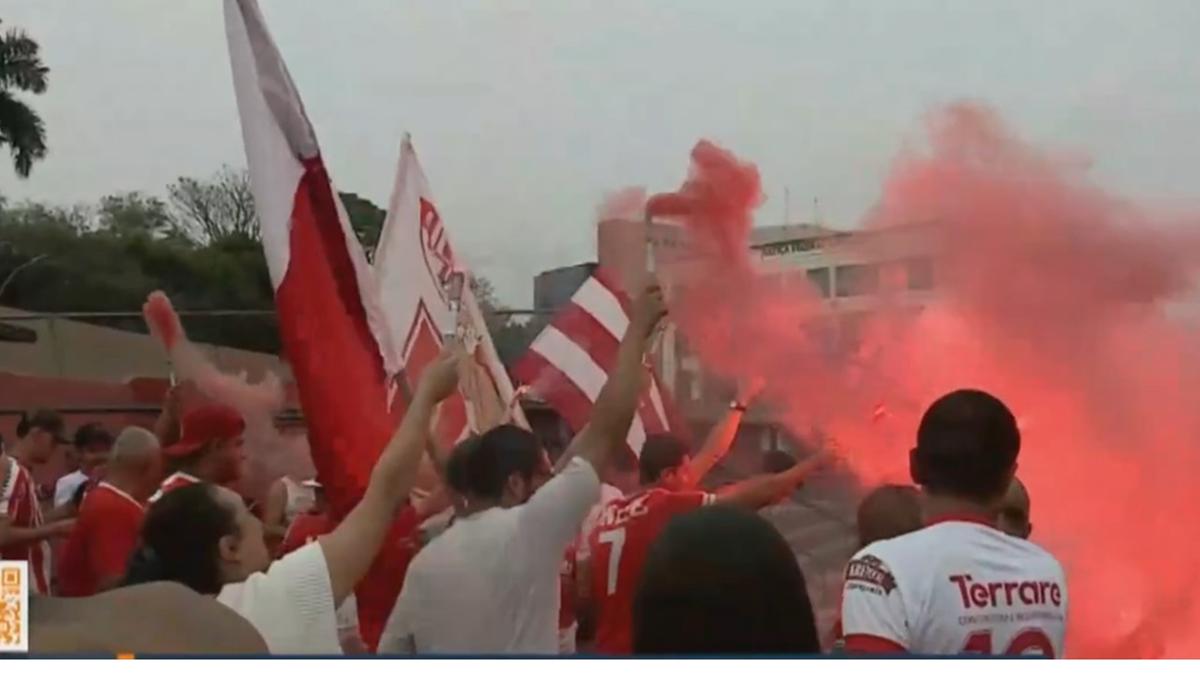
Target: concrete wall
pixel 84 351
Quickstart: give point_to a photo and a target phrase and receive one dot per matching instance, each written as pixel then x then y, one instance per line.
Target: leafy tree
pixel 209 210
pixel 133 213
pixel 21 69
pixel 365 218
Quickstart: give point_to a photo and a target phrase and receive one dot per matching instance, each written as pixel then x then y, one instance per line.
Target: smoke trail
pixel 269 454
pixel 1051 293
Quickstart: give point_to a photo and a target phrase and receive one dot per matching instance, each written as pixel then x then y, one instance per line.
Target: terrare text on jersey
pixel 1006 593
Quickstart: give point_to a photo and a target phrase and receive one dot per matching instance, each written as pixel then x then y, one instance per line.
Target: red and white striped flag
pixel 414 264
pixel 330 322
pixel 571 358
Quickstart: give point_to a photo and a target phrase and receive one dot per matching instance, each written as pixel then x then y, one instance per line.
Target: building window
pixel 819 278
pixel 852 280
pixel 920 273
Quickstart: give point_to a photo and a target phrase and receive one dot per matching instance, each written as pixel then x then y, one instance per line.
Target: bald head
pixel 134 446
pixel 135 464
pixel 888 511
pixel 1012 514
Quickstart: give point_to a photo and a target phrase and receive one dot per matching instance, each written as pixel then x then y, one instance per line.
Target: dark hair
pixel 888 511
pixel 499 453
pixel 92 433
pixel 777 461
pixel 180 538
pixel 745 595
pixel 967 446
pixel 456 464
pixel 46 420
pixel 660 453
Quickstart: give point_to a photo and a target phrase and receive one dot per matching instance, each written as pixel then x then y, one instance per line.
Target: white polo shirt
pixel 957 586
pixel 489 584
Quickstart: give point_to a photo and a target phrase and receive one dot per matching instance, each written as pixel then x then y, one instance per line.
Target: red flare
pixel 162 319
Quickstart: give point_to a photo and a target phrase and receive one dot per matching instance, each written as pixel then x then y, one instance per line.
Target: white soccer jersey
pixel 957 586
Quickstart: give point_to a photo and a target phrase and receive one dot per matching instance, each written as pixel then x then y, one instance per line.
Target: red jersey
pixel 305 528
pixel 105 535
pixel 19 503
pixel 619 544
pixel 173 482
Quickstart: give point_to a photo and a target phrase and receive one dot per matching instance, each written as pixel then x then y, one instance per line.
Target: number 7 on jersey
pixel 616 540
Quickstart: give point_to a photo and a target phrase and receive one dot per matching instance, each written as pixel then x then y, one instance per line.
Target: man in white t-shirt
pixel 959 585
pixel 489 584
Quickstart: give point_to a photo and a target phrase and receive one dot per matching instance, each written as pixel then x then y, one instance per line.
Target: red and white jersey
pixel 619 544
pixel 958 586
pixel 19 504
pixel 173 482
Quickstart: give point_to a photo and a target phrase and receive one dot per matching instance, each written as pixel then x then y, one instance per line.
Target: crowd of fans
pixel 599 552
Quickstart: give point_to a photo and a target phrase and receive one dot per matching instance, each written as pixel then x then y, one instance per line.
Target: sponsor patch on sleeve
pixel 871 571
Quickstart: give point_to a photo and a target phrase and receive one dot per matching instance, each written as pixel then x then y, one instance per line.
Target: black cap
pixel 92 433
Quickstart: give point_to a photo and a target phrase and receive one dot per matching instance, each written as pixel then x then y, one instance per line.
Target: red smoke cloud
pixel 1051 293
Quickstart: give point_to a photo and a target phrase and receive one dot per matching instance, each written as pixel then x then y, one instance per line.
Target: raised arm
pixel 720 439
pixel 764 490
pixel 353 544
pixel 615 406
pixel 274 514
pixel 166 427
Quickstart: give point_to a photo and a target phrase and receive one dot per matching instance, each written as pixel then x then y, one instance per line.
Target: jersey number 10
pixel 1028 641
pixel 616 541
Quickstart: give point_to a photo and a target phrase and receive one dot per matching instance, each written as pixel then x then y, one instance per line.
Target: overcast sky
pixel 526 113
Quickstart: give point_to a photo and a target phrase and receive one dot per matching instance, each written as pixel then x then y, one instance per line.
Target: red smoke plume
pixel 269 454
pixel 1050 292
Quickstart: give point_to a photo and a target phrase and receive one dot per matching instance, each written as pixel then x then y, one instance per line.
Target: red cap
pixel 207 423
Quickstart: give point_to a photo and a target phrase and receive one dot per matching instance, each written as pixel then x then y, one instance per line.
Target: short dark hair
pixel 499 453
pixel 181 535
pixel 92 433
pixel 888 511
pixel 660 452
pixel 967 446
pixel 744 596
pixel 456 464
pixel 46 420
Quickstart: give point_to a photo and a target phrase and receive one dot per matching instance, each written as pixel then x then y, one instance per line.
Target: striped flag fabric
pixel 570 360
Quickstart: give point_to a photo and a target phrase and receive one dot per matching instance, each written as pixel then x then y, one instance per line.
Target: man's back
pixel 489 584
pixel 105 534
pixel 619 544
pixel 955 587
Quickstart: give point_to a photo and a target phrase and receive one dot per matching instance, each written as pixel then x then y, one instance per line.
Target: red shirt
pixel 305 528
pixel 619 544
pixel 174 482
pixel 105 535
pixel 19 503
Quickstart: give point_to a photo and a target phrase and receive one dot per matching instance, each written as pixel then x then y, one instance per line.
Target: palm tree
pixel 20 127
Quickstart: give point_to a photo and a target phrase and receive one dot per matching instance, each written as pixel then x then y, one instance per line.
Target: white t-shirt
pixel 489 584
pixel 66 486
pixel 955 587
pixel 290 605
